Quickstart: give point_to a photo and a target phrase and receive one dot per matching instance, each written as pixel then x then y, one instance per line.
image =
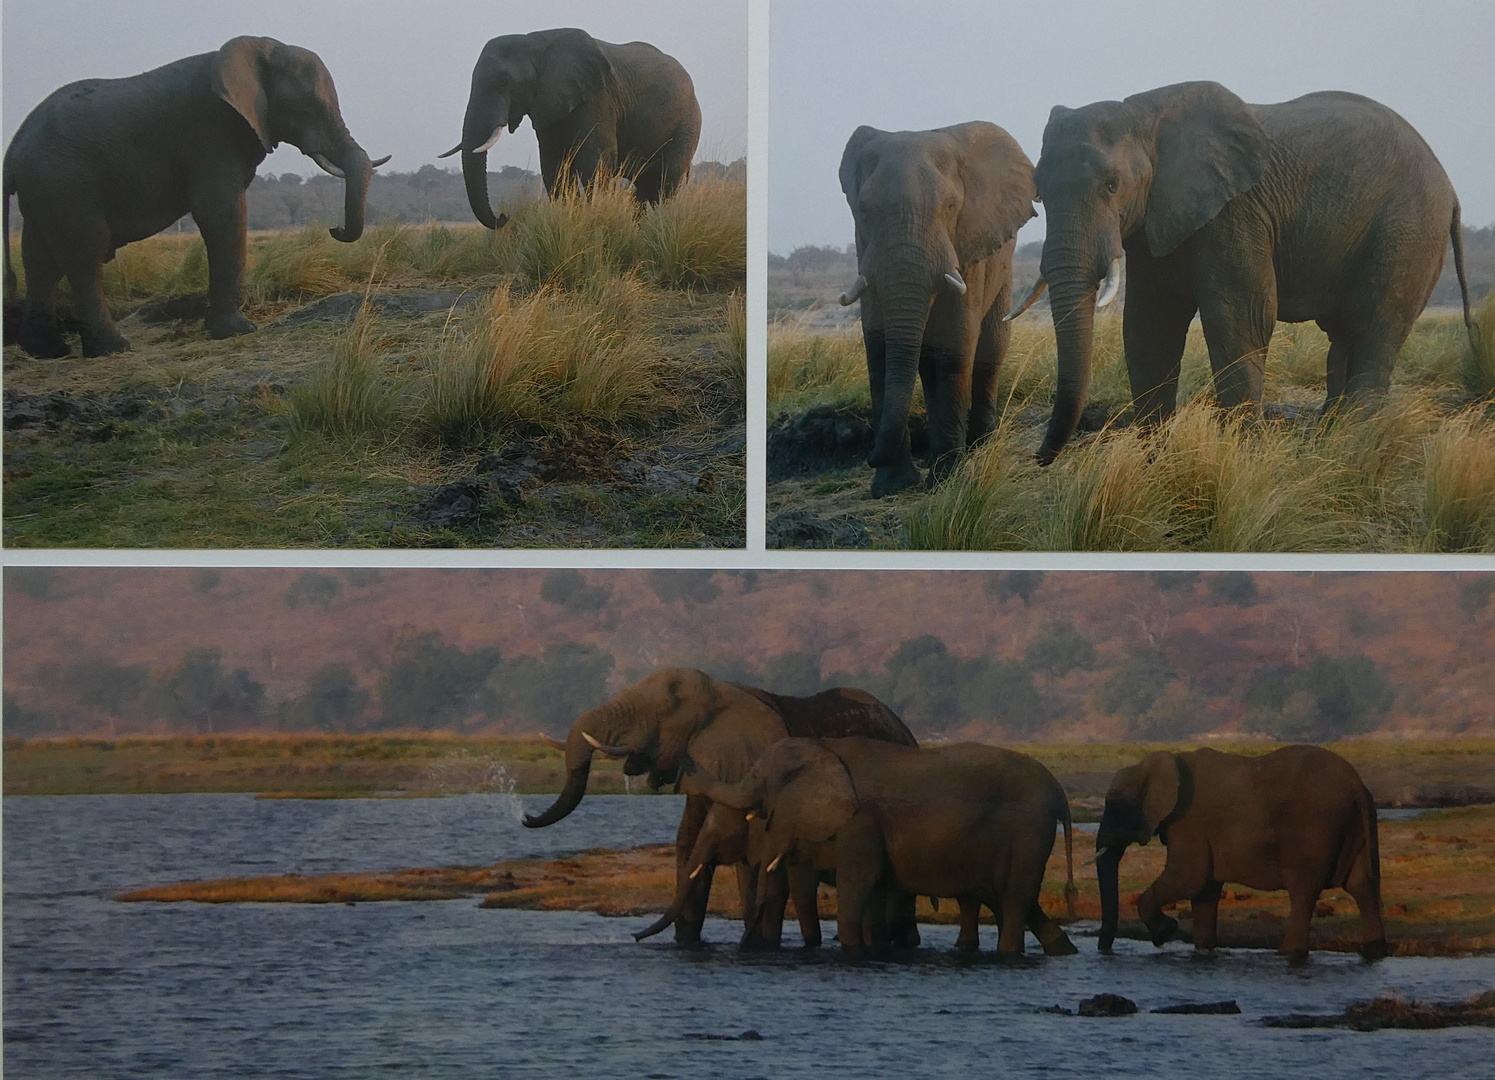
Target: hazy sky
pixel 836 64
pixel 402 69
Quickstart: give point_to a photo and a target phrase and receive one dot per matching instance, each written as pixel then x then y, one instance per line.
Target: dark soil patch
pixel 801 527
pixel 409 303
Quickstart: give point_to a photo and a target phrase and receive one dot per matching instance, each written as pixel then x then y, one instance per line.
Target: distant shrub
pixel 685 586
pixel 313 587
pixel 1233 587
pixel 1006 584
pixel 568 588
pixel 1058 648
pixel 207 578
pixel 430 684
pixel 1330 698
pixel 1131 689
pixel 198 695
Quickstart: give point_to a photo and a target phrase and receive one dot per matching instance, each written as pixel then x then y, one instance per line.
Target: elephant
pixel 595 107
pixel 104 162
pixel 1329 208
pixel 963 820
pixel 725 727
pixel 1298 818
pixel 936 213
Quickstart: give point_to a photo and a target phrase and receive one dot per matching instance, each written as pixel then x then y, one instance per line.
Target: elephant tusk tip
pixel 956 282
pixel 750 816
pixel 381 161
pixel 593 743
pixel 450 152
pixel 697 872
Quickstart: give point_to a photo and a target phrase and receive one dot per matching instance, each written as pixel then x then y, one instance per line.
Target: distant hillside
pixel 1058 655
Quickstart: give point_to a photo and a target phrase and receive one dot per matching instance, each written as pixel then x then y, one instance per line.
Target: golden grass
pixel 348 393
pixel 543 357
pixel 698 239
pixel 1458 506
pixel 807 367
pixel 1434 889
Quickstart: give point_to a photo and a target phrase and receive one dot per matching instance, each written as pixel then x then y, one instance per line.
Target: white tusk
pixel 751 814
pixel 1037 291
pixel 853 294
pixel 697 871
pixel 593 742
pixel 1111 286
pixel 493 139
pixel 773 865
pixel 380 161
pixel 327 166
pixel 956 282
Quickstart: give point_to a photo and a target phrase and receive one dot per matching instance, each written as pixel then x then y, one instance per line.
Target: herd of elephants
pixel 833 789
pixel 1328 208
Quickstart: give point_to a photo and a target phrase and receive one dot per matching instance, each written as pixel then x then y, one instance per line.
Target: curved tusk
pixel 1111 286
pixel 610 751
pixel 450 152
pixel 1038 287
pixel 554 744
pixel 751 814
pixel 697 872
pixel 326 165
pixel 380 161
pixel 774 865
pixel 853 294
pixel 956 282
pixel 491 140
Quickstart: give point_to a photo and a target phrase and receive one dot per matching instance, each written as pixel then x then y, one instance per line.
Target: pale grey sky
pixel 897 65
pixel 402 69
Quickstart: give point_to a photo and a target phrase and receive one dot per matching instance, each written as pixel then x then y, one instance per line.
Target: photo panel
pixel 412 819
pixel 1187 279
pixel 533 338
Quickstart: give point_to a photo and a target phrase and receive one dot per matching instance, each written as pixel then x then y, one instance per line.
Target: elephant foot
pixel 42 339
pixel 1296 957
pixel 1057 943
pixel 104 343
pixel 967 944
pixel 891 479
pixel 226 326
pixel 1164 929
pixel 1375 950
pixel 687 935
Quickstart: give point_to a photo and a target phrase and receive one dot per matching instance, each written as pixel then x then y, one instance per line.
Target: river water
pixel 98 988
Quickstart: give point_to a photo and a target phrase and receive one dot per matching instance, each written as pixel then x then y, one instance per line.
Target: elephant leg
pixel 648 183
pixel 693 911
pixel 1365 888
pixel 1182 877
pixel 1154 330
pixel 1374 355
pixel 1336 365
pixel 766 930
pixel 1011 914
pixel 903 922
pixel 886 479
pixel 1206 905
pixel 946 374
pixel 85 244
pixel 804 889
pixel 40 335
pixel 991 347
pixel 223 234
pixel 1238 310
pixel 969 939
pixel 1302 895
pixel 1049 933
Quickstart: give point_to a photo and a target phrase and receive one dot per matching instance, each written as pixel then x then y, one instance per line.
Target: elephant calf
pixel 105 162
pixel 1298 819
pixel 967 821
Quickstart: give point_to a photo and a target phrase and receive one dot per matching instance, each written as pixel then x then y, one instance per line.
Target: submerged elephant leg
pixel 804 890
pixel 1049 933
pixel 1206 907
pixel 693 911
pixel 222 228
pixel 771 899
pixel 1302 895
pixel 969 939
pixel 1365 889
pixel 903 922
pixel 1162 928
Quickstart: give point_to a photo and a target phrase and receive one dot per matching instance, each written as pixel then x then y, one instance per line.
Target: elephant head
pixel 1163 163
pixel 800 790
pixel 546 76
pixel 1142 799
pixel 927 205
pixel 652 723
pixel 285 94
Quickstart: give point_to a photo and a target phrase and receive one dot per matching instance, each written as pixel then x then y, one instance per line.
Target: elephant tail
pixel 1476 340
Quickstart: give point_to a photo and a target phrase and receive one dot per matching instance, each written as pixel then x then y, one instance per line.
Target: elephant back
pixel 836 714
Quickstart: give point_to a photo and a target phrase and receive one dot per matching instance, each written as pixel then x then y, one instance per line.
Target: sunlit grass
pixel 348 393
pixel 698 239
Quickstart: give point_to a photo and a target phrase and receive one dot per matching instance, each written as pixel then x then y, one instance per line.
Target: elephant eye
pixel 1113 185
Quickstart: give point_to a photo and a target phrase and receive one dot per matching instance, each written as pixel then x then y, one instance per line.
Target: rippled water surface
pixel 94 987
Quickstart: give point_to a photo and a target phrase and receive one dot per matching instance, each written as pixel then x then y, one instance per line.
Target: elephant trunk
pixel 578 769
pixel 906 290
pixel 1108 875
pixel 1072 301
pixel 357 170
pixel 481 128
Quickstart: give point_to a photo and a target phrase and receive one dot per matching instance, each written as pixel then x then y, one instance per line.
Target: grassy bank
pixel 1415 474
pixel 1399 772
pixel 1434 887
pixel 574 379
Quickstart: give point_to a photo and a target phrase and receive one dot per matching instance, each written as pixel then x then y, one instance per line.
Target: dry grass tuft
pixel 1458 505
pixel 698 239
pixel 348 394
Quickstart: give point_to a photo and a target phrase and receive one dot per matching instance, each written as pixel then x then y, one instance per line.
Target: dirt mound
pixel 801 527
pixel 828 438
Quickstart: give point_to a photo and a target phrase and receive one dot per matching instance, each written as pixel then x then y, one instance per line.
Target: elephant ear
pixel 1160 791
pixel 573 71
pixel 809 796
pixel 1210 148
pixel 997 179
pixel 238 78
pixel 852 171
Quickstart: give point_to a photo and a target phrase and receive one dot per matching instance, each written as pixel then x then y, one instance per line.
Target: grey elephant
pixel 725 727
pixel 936 213
pixel 965 820
pixel 627 109
pixel 104 162
pixel 1329 207
pixel 1298 818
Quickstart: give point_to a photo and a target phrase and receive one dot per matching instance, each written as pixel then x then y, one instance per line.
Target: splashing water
pixel 465 773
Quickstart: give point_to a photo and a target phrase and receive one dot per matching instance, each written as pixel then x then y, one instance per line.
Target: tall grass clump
pixel 546 357
pixel 294 265
pixel 160 266
pixel 734 344
pixel 806 367
pixel 579 234
pixel 348 394
pixel 1458 496
pixel 1478 368
pixel 698 238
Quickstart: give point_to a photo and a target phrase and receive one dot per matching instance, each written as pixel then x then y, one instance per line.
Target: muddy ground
pixel 186 442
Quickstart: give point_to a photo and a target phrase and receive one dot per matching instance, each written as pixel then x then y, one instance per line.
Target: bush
pixel 1330 698
pixel 1058 648
pixel 313 587
pixel 1135 686
pixel 568 588
pixel 430 684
